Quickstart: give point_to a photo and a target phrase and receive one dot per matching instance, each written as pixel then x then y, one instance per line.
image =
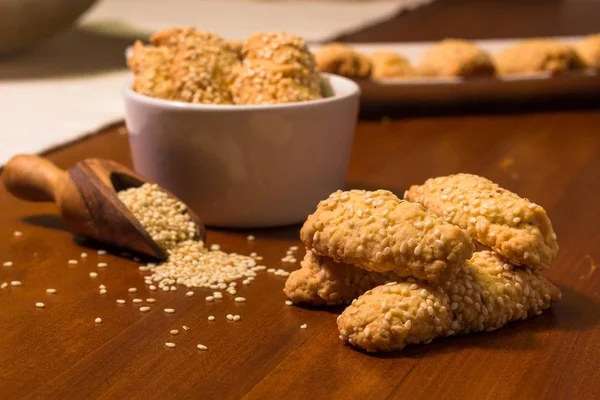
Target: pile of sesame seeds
pixel 162 216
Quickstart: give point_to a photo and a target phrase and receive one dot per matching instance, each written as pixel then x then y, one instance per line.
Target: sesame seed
pixel 15 283
pixel 121 301
pixel 215 247
pixel 211 317
pixel 230 317
pixel 137 301
pixel 209 298
pixel 169 310
pixel 189 294
pixel 150 300
pixel 303 326
pixel 103 291
pixel 170 344
pixel 250 238
pixel 40 305
pixel 102 287
pixel 289 303
pixel 98 320
pixel 17 233
pixel 236 317
pixel 8 264
pixel 102 265
pixel 132 290
pixel 152 287
pixel 83 255
pixel 240 299
pixel 144 309
pixel 186 328
pixel 101 252
pixel 202 347
pixel 174 332
pixel 4 285
pixel 93 274
pixel 73 262
pixel 217 295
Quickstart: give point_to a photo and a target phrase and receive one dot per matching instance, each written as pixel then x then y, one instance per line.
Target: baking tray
pixel 440 91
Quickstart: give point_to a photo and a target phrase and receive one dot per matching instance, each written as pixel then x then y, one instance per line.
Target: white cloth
pixel 72 84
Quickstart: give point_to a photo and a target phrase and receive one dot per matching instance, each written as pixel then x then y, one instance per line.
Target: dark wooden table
pixel 551 157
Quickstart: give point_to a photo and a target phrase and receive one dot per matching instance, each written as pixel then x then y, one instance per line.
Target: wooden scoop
pixel 86 196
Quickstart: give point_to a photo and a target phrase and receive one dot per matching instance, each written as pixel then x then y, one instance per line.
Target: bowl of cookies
pixel 247 134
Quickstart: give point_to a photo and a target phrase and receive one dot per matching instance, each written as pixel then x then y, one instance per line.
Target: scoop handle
pixel 32 178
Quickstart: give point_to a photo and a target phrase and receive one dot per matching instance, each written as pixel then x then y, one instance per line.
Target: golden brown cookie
pixel 277 68
pixel 379 232
pixel 588 50
pixel 538 55
pixel 152 70
pixel 452 57
pixel 388 64
pixel 320 280
pixel 514 227
pixel 339 59
pixel 487 294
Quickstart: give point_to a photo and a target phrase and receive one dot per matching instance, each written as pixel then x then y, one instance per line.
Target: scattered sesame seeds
pixel 101 252
pixel 144 309
pixel 170 344
pixel 189 294
pixel 289 302
pixel 240 299
pixel 303 326
pixel 73 262
pixel 202 347
pixel 211 317
pixel 174 332
pixel 39 304
pixel 7 264
pixel 93 274
pixel 132 290
pixel 121 301
pixel 102 265
pixel 250 238
pixel 169 310
pixel 15 283
pixel 98 320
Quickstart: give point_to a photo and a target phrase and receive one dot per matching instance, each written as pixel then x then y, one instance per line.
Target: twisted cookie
pixel 379 232
pixel 487 294
pixel 514 227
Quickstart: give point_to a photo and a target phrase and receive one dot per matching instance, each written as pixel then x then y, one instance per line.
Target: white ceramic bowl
pixel 24 22
pixel 246 166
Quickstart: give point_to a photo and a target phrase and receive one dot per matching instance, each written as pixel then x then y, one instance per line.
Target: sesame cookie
pixel 452 57
pixel 514 227
pixel 486 294
pixel 340 59
pixel 589 50
pixel 379 232
pixel 387 64
pixel 277 68
pixel 320 280
pixel 537 55
pixel 151 67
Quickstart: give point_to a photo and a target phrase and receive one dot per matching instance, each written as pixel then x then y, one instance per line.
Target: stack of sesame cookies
pixel 184 64
pixel 409 269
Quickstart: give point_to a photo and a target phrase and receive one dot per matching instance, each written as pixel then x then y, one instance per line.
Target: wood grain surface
pixel 551 157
